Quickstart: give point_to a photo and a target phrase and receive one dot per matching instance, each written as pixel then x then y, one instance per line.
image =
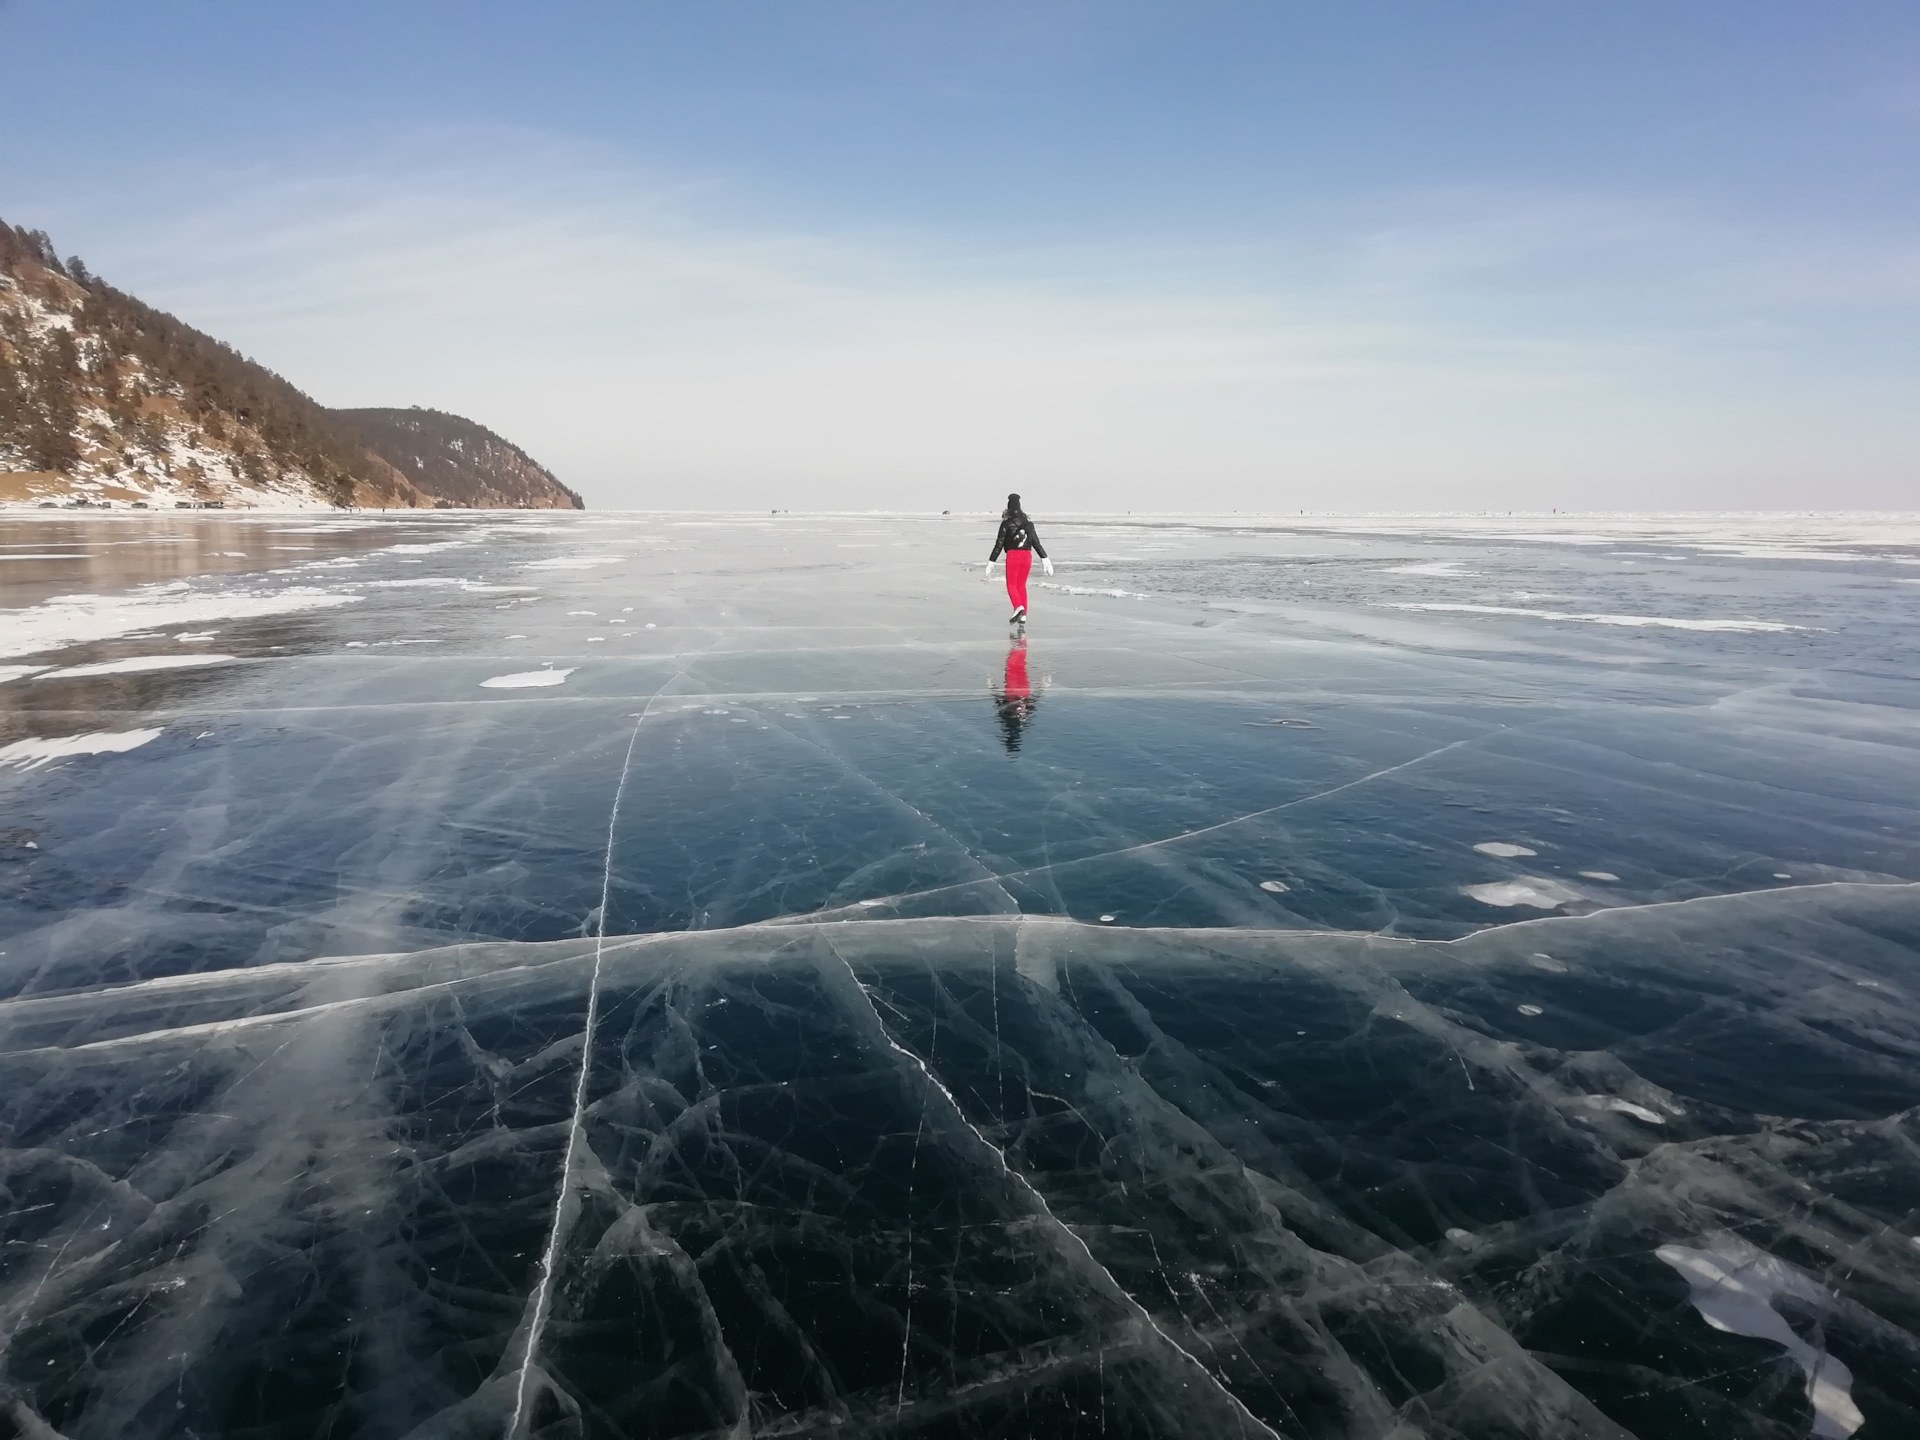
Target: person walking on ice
pixel 1018 540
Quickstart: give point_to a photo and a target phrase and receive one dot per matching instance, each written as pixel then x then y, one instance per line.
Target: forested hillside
pixel 105 398
pixel 458 460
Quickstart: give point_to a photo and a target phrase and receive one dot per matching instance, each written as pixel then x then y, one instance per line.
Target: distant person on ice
pixel 1017 539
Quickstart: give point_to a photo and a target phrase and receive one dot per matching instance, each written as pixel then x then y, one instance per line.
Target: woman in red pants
pixel 1017 539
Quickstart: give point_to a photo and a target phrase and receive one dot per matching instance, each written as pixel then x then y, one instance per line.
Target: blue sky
pixel 1411 255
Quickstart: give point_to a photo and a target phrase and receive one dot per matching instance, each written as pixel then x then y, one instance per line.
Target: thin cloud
pixel 609 322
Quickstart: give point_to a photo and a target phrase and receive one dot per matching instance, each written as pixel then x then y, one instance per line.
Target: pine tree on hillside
pixel 53 445
pixel 14 404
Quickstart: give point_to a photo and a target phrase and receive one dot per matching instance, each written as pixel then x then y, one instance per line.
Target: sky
pixel 1216 255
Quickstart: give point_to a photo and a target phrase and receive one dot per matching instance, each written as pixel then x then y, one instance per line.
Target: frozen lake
pixel 605 975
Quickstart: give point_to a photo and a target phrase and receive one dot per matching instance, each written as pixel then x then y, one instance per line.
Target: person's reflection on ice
pixel 1014 702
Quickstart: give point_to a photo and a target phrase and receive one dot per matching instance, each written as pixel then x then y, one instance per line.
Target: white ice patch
pixel 1606 876
pixel 1626 1107
pixel 1541 894
pixel 1089 590
pixel 1274 887
pixel 76 619
pixel 1503 850
pixel 574 562
pixel 35 751
pixel 425 548
pixel 1733 1285
pixel 14 672
pixel 1427 567
pixel 1664 622
pixel 470 587
pixel 527 679
pixel 135 664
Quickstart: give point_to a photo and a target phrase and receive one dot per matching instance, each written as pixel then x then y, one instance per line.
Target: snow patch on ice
pixel 1626 1107
pixel 573 562
pixel 1503 849
pixel 75 619
pixel 35 751
pixel 1664 622
pixel 1603 875
pixel 1090 590
pixel 1734 1285
pixel 1541 894
pixel 1427 567
pixel 134 665
pixel 527 679
pixel 457 582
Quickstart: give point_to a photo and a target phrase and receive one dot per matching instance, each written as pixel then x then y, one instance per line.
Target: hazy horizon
pixel 1378 259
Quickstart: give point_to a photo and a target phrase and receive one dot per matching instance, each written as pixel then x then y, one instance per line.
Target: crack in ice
pixel 998 878
pixel 1039 1201
pixel 549 1260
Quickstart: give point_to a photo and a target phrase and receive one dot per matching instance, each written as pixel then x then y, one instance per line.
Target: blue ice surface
pixel 1313 980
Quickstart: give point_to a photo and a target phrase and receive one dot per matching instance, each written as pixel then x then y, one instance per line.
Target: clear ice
pixel 671 976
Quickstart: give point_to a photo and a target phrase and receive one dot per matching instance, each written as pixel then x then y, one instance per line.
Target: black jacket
pixel 1016 533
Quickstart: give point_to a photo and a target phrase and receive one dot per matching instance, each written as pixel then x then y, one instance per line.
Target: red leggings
pixel 1019 562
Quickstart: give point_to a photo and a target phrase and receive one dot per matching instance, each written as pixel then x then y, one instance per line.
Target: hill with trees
pixel 104 398
pixel 456 459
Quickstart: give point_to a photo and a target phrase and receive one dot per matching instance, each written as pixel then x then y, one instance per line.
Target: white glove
pixel 1046 564
pixel 987 574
